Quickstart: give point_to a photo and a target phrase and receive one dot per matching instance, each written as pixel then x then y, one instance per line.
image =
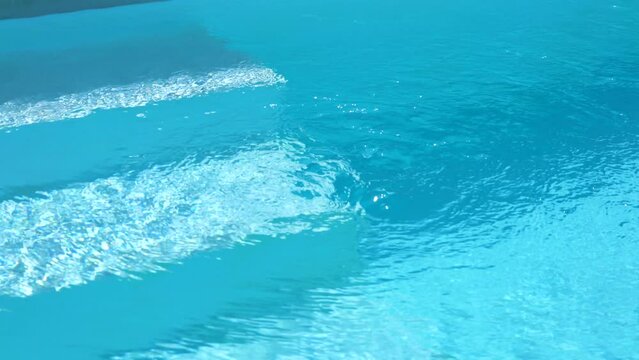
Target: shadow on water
pixel 11 9
pixel 181 303
pixel 82 69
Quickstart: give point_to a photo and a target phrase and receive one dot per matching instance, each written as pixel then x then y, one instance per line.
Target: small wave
pixel 125 224
pixel 15 114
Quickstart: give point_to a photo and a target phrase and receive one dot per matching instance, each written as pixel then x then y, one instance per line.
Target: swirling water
pixel 336 179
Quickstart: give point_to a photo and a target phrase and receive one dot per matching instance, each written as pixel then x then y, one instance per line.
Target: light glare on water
pixel 320 180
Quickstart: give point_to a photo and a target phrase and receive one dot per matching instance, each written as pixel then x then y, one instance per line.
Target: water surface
pixel 359 179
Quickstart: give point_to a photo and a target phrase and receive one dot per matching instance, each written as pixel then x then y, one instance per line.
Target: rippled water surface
pixel 318 180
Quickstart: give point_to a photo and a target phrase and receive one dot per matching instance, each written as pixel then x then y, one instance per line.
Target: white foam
pixel 125 224
pixel 14 114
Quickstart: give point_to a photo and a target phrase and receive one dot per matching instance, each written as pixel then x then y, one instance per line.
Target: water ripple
pixel 125 224
pixel 14 114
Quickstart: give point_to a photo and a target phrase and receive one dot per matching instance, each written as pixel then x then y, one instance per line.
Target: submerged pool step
pixel 128 223
pixel 61 83
pixel 78 105
pixel 71 68
pixel 194 299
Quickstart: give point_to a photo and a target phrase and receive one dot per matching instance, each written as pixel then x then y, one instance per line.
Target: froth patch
pixel 14 114
pixel 135 223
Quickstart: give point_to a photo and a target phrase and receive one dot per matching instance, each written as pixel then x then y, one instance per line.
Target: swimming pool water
pixel 318 180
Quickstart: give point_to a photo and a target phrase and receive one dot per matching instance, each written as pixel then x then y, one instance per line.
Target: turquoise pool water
pixel 319 180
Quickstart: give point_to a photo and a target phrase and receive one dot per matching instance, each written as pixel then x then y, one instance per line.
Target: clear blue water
pixel 319 180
